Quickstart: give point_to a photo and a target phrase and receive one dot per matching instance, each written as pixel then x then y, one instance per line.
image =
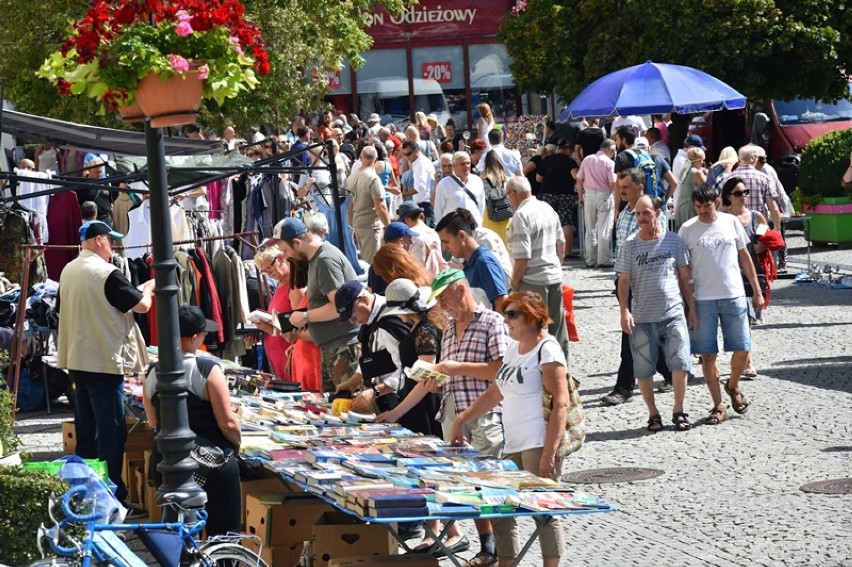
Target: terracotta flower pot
pixel 132 113
pixel 173 102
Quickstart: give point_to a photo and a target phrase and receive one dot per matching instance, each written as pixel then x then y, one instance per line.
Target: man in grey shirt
pixel 328 270
pixel 654 265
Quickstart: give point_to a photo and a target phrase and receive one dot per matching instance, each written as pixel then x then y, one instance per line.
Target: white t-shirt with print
pixel 713 251
pixel 523 415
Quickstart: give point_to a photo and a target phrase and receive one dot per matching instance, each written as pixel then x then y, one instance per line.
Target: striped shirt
pixel 484 339
pixel 652 266
pixel 627 225
pixel 533 234
pixel 760 187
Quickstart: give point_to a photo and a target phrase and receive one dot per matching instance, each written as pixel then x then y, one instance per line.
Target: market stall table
pixel 541 519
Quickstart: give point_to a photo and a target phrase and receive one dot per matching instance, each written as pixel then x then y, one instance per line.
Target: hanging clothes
pixel 14 233
pixel 120 209
pixel 321 204
pixel 36 204
pixel 230 280
pixel 210 293
pixel 63 216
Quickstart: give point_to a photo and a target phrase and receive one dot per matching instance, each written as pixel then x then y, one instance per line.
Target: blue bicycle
pixel 171 543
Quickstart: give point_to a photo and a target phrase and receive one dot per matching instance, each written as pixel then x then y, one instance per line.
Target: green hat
pixel 443 280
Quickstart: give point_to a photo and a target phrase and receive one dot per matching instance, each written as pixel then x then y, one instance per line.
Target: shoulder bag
pixel 575 424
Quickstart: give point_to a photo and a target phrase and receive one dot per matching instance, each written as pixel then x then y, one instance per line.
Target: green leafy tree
pixel 299 35
pixel 763 48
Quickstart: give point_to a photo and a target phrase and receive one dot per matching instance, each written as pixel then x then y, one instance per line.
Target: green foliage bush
pixel 23 507
pixel 9 442
pixel 824 160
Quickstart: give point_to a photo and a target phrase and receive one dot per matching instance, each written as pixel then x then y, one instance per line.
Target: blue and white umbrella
pixel 653 88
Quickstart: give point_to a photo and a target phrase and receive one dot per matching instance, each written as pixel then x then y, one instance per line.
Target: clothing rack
pixel 32 253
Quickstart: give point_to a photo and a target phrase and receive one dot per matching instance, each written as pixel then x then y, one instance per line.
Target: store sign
pixel 439 71
pixel 333 77
pixel 431 19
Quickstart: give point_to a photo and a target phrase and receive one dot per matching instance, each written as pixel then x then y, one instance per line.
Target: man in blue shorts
pixel 717 248
pixel 654 264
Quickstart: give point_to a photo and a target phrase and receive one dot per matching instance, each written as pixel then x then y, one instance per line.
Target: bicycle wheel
pixel 230 555
pixel 54 562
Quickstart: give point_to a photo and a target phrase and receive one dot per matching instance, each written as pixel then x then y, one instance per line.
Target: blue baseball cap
pixel 291 227
pixel 344 299
pixel 91 229
pixel 396 230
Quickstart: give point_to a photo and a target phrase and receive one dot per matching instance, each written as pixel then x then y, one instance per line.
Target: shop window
pixel 439 83
pixel 491 81
pixel 383 86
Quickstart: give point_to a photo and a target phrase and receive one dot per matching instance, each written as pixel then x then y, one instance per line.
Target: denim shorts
pixel 647 338
pixel 733 315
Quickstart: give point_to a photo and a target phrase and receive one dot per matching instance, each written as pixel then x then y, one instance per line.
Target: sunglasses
pixel 740 193
pixel 511 314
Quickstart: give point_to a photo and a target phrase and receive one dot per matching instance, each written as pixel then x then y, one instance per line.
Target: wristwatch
pixel 376 393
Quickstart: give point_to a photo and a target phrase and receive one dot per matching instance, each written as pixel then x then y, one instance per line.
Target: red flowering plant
pixel 118 42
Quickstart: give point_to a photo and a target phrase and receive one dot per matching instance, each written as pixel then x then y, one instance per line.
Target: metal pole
pixel 335 195
pixel 175 439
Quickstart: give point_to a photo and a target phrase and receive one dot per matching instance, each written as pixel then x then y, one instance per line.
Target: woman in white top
pixel 485 122
pixel 533 361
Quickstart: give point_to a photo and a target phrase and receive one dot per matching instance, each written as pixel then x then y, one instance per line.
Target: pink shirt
pixel 597 172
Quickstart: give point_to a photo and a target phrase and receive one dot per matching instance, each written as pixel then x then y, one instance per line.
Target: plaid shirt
pixel 485 339
pixel 759 185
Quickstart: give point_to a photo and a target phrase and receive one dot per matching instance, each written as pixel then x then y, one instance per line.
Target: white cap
pixel 641 143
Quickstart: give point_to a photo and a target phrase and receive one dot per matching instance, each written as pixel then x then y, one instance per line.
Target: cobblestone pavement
pixel 730 493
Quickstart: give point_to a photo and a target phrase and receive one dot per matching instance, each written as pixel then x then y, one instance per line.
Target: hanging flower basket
pixel 171 102
pixel 119 44
pixel 131 113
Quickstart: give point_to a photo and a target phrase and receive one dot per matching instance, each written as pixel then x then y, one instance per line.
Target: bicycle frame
pixel 100 542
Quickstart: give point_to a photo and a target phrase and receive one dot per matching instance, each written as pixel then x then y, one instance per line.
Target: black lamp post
pixel 175 439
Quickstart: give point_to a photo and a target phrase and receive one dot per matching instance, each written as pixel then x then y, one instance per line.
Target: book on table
pixel 397 512
pixel 390 498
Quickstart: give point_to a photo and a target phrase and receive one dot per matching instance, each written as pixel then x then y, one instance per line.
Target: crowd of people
pixel 464 250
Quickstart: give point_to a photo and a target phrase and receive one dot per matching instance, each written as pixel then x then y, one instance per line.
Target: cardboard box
pixel 139 486
pixel 287 522
pixel 337 534
pixel 279 556
pixel 147 458
pixel 155 511
pixel 255 487
pixel 69 437
pixel 128 475
pixel 418 560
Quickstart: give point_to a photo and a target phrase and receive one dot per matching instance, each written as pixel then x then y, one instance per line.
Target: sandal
pixel 739 403
pixel 681 421
pixel 750 373
pixel 482 559
pixel 655 423
pixel 717 415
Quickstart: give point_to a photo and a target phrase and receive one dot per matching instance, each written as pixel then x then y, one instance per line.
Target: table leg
pixel 439 543
pixel 540 524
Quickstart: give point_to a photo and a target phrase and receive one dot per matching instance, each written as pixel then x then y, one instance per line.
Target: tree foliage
pixel 763 48
pixel 299 35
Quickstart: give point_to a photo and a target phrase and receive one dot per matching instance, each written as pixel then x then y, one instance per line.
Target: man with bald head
pixel 368 215
pixel 653 265
pixel 630 186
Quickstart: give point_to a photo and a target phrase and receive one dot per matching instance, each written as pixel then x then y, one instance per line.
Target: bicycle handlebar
pixel 52 536
pixel 65 504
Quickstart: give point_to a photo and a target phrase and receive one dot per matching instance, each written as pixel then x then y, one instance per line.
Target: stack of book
pixel 389 503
